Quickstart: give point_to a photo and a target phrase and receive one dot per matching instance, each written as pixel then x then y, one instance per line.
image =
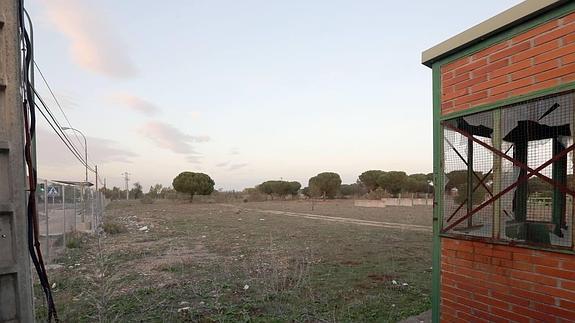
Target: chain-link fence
pixel 65 211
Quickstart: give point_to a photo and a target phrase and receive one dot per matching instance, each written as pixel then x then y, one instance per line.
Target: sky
pixel 245 91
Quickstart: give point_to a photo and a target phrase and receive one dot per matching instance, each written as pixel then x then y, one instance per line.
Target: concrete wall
pixel 540 58
pixel 15 282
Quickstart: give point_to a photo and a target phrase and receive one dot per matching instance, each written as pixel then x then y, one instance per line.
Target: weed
pixel 114 228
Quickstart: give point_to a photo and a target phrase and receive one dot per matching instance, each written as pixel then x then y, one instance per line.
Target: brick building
pixel 504 120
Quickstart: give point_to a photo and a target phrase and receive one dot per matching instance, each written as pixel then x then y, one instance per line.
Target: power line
pixel 58 129
pixel 56 100
pixel 60 136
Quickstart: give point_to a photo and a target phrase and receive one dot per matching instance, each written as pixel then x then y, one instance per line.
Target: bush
pixel 376 194
pixel 73 241
pixel 147 200
pixel 114 228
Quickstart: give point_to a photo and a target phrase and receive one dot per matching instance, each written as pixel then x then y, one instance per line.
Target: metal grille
pixel 509 172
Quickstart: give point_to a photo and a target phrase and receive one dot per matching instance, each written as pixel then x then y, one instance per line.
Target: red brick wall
pixel 482 282
pixel 540 58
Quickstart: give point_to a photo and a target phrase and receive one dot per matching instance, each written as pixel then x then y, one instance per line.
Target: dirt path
pixel 388 225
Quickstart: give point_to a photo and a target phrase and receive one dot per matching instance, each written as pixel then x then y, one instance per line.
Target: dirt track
pixel 388 225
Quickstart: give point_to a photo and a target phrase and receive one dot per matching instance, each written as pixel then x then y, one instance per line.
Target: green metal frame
pixel 438 193
pixel 438 131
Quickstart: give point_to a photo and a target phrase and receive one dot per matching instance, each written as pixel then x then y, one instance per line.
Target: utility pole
pixel 15 278
pixel 127 181
pixel 97 197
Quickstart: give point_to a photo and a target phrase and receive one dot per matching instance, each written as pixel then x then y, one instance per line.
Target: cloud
pixel 135 103
pixel 194 115
pixel 224 164
pixel 53 152
pixel 169 137
pixel 234 151
pixel 194 159
pixel 237 166
pixel 94 41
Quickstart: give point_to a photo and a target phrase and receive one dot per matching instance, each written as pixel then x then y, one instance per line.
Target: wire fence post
pixel 74 198
pixel 47 221
pixel 64 210
pixel 83 199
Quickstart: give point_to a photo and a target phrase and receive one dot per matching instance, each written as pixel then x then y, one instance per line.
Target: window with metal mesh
pixel 508 173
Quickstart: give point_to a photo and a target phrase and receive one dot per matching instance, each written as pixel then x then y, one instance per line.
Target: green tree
pixel 266 187
pixel 155 191
pixel 193 183
pixel 417 183
pixel 369 179
pixel 394 182
pixel 293 188
pixel 349 189
pixel 136 192
pixel 325 184
pixel 478 195
pixel 279 188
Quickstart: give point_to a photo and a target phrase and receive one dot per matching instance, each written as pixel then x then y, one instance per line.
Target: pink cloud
pixel 53 152
pixel 135 103
pixel 94 42
pixel 169 137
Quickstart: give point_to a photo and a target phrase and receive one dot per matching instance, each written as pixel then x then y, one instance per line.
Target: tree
pixel 393 182
pixel 280 188
pixel 136 192
pixel 349 189
pixel 325 184
pixel 478 195
pixel 369 179
pixel 293 188
pixel 455 179
pixel 417 183
pixel 193 183
pixel 155 191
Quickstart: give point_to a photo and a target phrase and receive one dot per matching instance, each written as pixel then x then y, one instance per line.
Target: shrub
pixel 114 228
pixel 73 241
pixel 147 200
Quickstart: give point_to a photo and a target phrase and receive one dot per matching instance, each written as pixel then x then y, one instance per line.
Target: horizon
pixel 242 92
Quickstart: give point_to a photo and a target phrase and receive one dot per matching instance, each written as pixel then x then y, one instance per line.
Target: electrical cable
pixel 30 132
pixel 56 100
pixel 58 129
pixel 60 136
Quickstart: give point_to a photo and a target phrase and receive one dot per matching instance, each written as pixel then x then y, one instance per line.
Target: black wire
pixel 58 126
pixel 60 132
pixel 56 100
pixel 30 131
pixel 60 136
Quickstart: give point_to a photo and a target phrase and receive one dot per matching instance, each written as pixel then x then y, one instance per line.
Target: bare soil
pixel 255 262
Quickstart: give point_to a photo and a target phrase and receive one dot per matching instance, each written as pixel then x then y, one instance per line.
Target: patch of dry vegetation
pixel 211 262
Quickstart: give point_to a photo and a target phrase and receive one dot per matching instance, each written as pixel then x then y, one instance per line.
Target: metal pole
pixel 64 209
pixel 92 205
pixel 83 198
pixel 470 172
pixel 47 220
pixel 96 197
pixel 74 197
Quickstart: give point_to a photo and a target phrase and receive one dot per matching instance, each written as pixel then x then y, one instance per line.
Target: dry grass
pixel 216 263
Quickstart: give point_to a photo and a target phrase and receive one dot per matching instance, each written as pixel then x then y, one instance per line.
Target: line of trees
pixel 395 182
pixel 279 188
pixel 323 185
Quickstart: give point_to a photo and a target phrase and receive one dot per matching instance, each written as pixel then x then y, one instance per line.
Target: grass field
pixel 248 263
